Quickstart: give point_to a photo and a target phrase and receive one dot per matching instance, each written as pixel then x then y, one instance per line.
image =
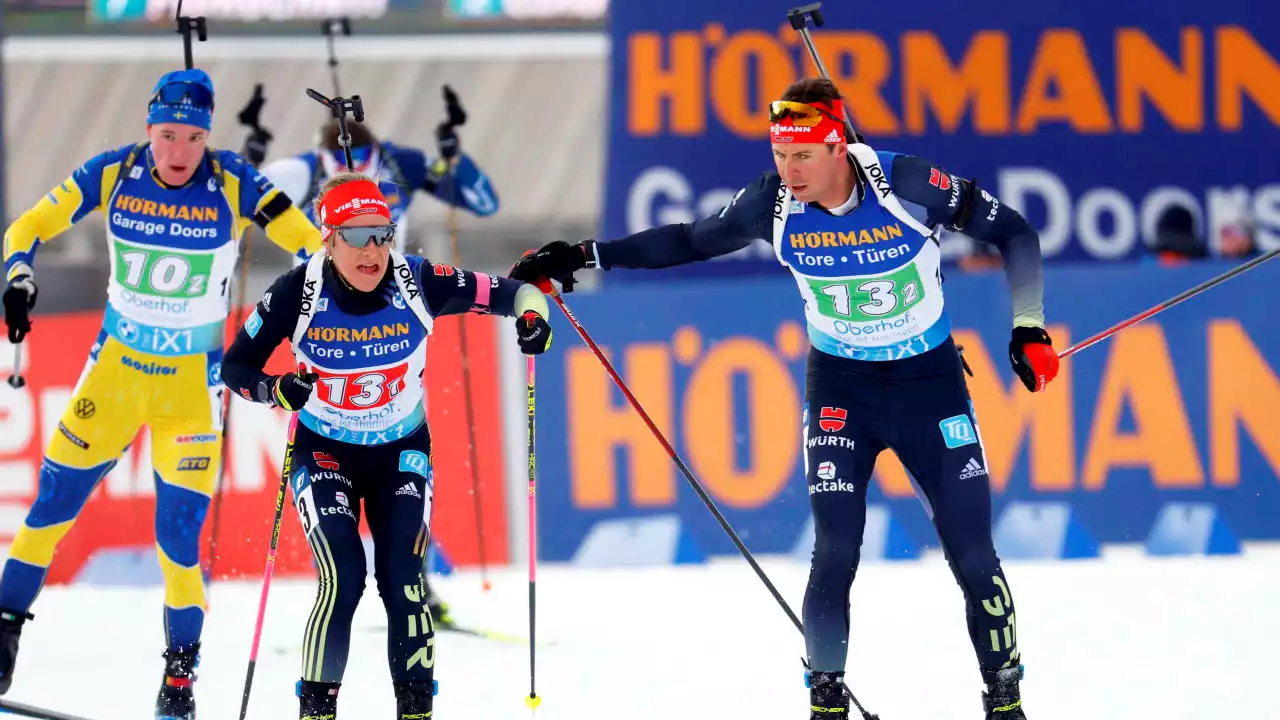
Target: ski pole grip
pixel 800 15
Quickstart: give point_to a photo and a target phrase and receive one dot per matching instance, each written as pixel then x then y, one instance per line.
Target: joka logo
pixel 324 460
pixel 939 179
pixel 827 470
pixel 972 470
pixel 832 419
pixel 957 431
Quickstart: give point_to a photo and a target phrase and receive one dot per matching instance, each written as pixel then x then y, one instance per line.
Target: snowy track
pixel 1124 638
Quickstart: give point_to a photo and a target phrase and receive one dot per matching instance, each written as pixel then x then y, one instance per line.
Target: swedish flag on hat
pixel 184 97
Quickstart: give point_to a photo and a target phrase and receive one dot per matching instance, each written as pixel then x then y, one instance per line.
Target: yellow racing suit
pixel 157 360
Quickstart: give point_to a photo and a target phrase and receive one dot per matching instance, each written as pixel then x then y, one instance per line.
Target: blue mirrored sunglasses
pixel 184 93
pixel 358 237
pixel 361 156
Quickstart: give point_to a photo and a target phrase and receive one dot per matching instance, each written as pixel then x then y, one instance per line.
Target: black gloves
pixel 1033 358
pixel 447 142
pixel 19 299
pixel 292 391
pixel 555 261
pixel 255 146
pixel 446 136
pixel 533 332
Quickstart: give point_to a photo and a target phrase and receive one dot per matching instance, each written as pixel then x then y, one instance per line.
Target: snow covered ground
pixel 1124 637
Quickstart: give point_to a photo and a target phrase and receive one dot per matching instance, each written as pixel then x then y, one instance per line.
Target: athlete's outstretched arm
pixel 447 290
pixel 271 323
pixel 959 204
pixel 746 218
pixel 466 185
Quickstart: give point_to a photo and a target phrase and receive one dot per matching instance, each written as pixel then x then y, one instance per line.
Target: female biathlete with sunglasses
pixel 883 370
pixel 358 315
pixel 175 211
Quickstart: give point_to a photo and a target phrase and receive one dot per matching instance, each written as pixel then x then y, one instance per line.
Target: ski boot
pixel 1003 700
pixel 413 700
pixel 176 700
pixel 10 631
pixel 317 700
pixel 826 696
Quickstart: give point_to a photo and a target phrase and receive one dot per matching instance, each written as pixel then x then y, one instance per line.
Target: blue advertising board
pixel 1181 408
pixel 1091 124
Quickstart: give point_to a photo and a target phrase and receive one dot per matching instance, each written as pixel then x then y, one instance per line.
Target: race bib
pixel 165 272
pixel 362 390
pixel 868 299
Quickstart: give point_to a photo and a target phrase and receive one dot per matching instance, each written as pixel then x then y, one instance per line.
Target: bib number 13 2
pixel 869 299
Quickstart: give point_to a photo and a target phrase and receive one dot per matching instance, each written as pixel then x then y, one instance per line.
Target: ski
pixel 478 633
pixel 13 708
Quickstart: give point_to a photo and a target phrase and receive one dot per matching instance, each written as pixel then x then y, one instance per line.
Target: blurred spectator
pixel 1235 238
pixel 1176 240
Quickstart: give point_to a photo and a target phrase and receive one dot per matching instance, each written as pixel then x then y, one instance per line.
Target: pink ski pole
pixel 285 470
pixel 533 700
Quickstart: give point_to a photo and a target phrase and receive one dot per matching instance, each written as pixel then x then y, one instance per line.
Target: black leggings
pixel 330 481
pixel 920 408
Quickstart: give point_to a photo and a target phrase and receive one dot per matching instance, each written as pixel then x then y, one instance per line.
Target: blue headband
pixel 184 97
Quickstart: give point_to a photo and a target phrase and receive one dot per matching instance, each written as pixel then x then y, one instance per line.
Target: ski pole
pixel 16 380
pixel 533 701
pixel 30 711
pixel 457 117
pixel 332 27
pixel 688 475
pixel 286 469
pixel 1184 295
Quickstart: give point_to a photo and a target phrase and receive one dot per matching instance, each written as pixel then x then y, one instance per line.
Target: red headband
pixel 349 200
pixel 827 130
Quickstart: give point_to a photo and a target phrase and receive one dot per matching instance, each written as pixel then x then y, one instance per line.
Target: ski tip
pixel 532 701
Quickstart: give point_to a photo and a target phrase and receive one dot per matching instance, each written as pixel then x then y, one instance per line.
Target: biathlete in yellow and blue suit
pixel 175 212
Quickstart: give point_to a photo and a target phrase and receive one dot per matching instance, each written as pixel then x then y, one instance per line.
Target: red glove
pixel 1033 357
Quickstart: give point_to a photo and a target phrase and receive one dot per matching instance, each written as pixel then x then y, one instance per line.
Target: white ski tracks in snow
pixel 1121 637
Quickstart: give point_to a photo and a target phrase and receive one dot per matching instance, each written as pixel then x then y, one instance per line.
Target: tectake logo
pixel 827 470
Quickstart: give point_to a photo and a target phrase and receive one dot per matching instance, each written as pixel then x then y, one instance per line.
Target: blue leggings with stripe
pixel 919 408
pixel 331 483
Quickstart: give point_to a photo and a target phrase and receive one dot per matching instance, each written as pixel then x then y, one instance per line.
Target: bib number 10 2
pixel 163 274
pixel 869 299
